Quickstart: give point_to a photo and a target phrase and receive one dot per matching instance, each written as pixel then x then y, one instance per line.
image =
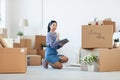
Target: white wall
pixel 2 13
pixel 25 9
pixel 70 15
pixel 0 7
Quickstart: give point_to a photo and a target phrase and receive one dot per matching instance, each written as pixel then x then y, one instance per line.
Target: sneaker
pixel 44 63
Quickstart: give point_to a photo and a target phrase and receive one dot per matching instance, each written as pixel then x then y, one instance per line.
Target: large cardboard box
pixel 97 36
pixel 13 60
pixel 3 32
pixel 31 52
pixel 33 60
pixel 39 40
pixel 110 23
pixel 108 59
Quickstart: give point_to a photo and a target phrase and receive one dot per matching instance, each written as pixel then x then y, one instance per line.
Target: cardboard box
pixel 39 40
pixel 13 60
pixel 3 32
pixel 97 36
pixel 28 43
pixel 108 59
pixel 110 23
pixel 41 52
pixel 25 43
pixel 16 45
pixel 31 52
pixel 32 37
pixel 33 60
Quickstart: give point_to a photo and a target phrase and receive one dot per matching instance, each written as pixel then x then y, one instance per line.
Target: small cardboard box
pixel 25 43
pixel 97 36
pixel 39 40
pixel 16 45
pixel 110 23
pixel 108 59
pixel 31 52
pixel 13 60
pixel 33 60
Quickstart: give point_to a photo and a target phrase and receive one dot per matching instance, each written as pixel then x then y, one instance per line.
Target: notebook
pixel 64 41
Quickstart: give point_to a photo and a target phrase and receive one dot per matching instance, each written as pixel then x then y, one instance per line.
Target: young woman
pixel 51 54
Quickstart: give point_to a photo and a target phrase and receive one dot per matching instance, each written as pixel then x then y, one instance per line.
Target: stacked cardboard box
pixel 31 52
pixel 108 59
pixel 13 60
pixel 99 38
pixel 32 58
pixel 24 43
pixel 105 22
pixel 17 45
pixel 39 40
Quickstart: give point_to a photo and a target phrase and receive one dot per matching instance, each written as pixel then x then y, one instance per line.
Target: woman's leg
pixel 57 65
pixel 44 63
pixel 63 59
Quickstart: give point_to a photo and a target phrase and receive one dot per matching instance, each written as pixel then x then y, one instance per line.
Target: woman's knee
pixel 64 59
pixel 59 67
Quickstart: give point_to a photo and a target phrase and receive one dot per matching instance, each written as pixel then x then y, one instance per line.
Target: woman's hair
pixel 50 23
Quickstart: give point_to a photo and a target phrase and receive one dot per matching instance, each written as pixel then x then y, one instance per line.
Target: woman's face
pixel 53 27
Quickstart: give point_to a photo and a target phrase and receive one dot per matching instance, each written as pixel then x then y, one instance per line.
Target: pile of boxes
pixel 97 40
pixel 32 58
pixel 12 60
pixel 16 59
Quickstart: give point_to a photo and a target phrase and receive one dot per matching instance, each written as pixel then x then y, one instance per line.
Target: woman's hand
pixel 60 44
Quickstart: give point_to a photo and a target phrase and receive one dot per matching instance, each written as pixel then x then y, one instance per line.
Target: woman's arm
pixel 54 42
